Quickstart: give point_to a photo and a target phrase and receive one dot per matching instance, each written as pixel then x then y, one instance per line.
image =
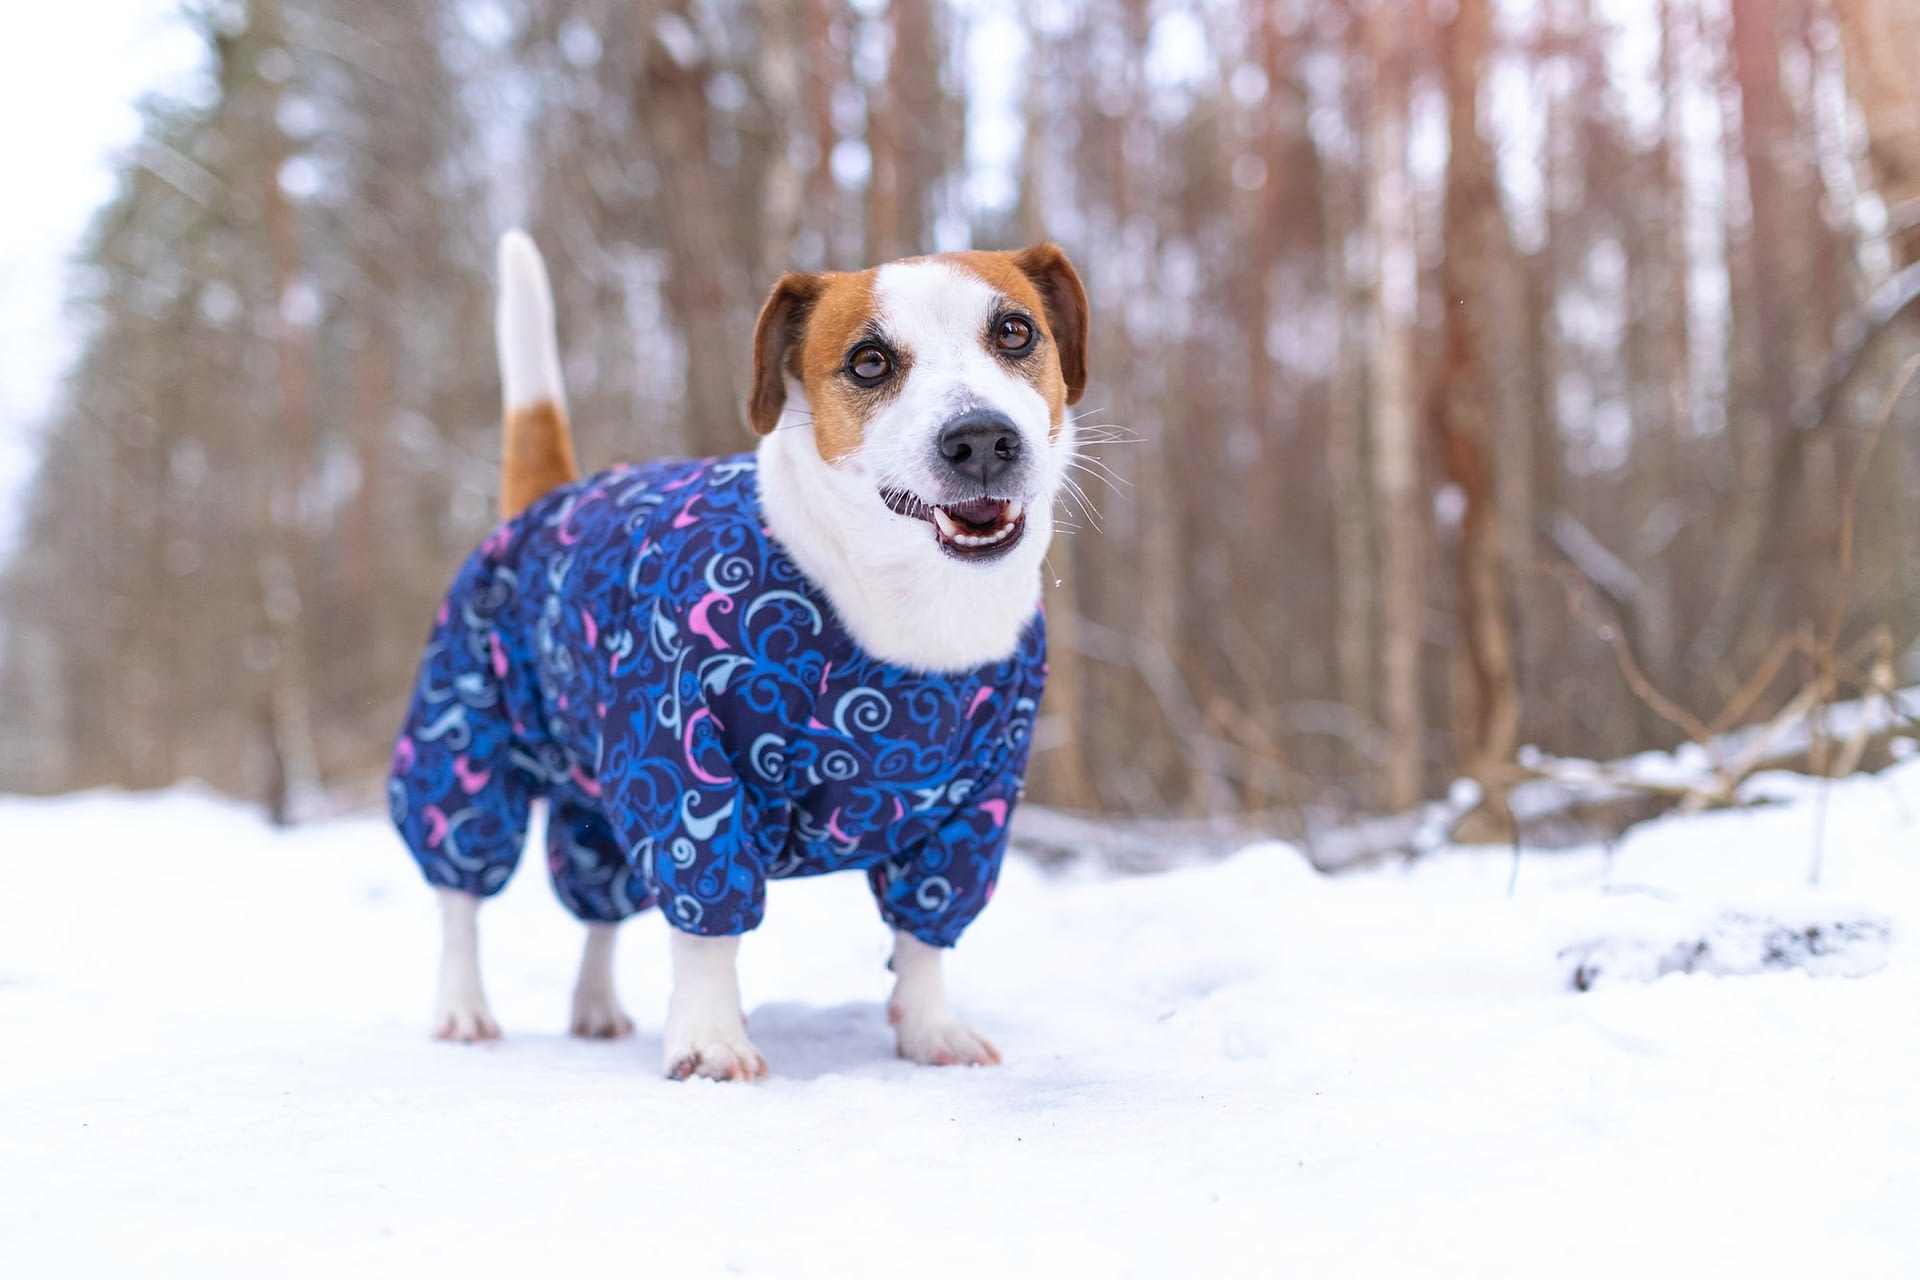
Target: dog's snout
pixel 981 445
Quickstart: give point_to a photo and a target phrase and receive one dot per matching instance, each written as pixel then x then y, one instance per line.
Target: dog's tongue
pixel 977 511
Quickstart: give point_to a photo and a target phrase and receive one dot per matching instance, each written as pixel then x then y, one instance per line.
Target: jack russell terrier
pixel 823 655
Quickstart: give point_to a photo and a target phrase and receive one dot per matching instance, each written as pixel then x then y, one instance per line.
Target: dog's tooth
pixel 945 521
pixel 1015 510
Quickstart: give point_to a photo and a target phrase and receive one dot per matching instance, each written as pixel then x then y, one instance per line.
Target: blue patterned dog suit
pixel 637 649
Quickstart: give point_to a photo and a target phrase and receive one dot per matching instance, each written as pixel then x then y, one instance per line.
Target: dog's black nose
pixel 981 444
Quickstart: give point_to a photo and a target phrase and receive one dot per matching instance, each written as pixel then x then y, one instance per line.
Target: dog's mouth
pixel 977 529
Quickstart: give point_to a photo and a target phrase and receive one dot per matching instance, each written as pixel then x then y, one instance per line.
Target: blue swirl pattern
pixel 637 649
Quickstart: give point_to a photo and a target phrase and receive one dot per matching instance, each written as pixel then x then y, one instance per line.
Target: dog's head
pixel 937 388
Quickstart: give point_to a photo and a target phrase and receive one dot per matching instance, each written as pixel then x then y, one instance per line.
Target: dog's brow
pixel 1004 305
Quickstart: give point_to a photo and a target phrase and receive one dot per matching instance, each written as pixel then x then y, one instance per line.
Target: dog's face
pixel 937 386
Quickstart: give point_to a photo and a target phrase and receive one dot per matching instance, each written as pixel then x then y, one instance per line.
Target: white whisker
pixel 1105 474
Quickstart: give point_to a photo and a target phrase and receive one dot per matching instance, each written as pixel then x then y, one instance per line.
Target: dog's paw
pixel 943 1042
pixel 716 1053
pixel 598 1016
pixel 465 1021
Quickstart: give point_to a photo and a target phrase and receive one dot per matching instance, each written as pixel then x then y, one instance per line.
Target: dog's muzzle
pixel 980 460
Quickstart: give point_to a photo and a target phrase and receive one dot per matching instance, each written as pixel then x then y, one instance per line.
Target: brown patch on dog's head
pixel 807 329
pixel 843 319
pixel 1043 282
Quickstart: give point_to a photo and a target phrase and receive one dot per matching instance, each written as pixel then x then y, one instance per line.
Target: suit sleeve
pixel 936 890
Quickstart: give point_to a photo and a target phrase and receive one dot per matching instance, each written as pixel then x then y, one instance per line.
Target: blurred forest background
pixel 1477 378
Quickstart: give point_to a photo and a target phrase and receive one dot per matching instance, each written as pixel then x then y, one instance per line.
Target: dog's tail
pixel 539 445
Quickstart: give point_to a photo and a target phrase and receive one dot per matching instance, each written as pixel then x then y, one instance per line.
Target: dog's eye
pixel 870 364
pixel 1013 335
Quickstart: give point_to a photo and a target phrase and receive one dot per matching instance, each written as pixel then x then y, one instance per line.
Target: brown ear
pixel 782 320
pixel 1066 303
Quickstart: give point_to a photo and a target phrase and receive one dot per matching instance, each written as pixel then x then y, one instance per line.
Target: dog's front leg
pixel 597 1014
pixel 706 1030
pixel 923 1020
pixel 461 1012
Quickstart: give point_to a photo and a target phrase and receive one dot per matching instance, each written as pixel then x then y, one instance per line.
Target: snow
pixel 213 1062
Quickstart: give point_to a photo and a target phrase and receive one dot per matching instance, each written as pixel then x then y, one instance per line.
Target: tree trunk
pixel 780 79
pixel 1767 144
pixel 904 137
pixel 1473 224
pixel 1882 41
pixel 1396 460
pixel 671 100
pixel 1353 560
pixel 295 771
pixel 1658 445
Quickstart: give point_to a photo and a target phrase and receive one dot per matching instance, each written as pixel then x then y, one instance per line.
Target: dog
pixel 822 655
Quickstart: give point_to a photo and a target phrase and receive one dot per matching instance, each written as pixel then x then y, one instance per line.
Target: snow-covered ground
pixel 213 1062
